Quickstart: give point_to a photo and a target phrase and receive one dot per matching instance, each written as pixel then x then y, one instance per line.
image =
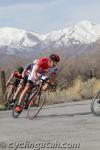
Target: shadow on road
pixel 56 115
pixel 63 115
pixel 64 105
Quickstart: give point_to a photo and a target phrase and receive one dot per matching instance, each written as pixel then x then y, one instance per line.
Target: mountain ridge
pixel 84 37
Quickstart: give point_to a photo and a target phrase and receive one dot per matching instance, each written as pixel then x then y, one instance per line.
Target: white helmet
pixel 35 61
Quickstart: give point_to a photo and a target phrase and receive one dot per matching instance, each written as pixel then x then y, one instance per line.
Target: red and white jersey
pixel 44 68
pixel 44 65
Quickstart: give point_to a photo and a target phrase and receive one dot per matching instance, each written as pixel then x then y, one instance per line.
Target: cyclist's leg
pixel 46 85
pixel 25 91
pixel 10 92
pixel 23 94
pixel 20 88
pixel 18 91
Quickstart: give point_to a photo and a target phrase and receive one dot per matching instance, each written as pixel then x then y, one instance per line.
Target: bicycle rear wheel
pixel 95 106
pixel 36 104
pixel 9 102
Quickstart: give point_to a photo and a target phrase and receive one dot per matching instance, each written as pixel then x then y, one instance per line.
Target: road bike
pixel 95 104
pixel 35 102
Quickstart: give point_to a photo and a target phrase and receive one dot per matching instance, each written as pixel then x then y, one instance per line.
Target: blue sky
pixel 43 16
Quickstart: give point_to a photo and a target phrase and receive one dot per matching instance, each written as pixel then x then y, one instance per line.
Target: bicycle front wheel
pixel 14 113
pixel 95 105
pixel 36 104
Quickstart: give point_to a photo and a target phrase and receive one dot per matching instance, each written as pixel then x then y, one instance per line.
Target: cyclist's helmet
pixel 55 57
pixel 35 61
pixel 20 69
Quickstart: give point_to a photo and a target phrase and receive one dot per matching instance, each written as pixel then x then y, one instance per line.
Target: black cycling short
pixel 24 81
pixel 30 82
pixel 16 82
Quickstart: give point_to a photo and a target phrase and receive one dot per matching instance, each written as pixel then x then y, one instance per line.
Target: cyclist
pixel 45 68
pixel 15 78
pixel 23 82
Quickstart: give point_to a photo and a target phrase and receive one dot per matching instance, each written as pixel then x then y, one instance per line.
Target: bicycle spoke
pixel 36 105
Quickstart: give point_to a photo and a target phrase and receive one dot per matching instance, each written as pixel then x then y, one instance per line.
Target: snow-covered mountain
pixel 16 41
pixel 84 32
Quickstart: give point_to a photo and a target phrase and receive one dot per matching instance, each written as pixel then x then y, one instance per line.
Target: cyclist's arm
pixel 28 67
pixel 24 73
pixel 53 74
pixel 36 68
pixel 10 78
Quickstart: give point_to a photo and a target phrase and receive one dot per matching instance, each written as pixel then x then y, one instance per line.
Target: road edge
pixel 2 107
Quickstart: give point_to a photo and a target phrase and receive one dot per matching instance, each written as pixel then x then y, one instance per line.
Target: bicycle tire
pixel 23 106
pixel 8 105
pixel 33 109
pixel 95 106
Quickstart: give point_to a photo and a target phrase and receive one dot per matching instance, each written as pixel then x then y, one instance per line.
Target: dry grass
pixel 78 91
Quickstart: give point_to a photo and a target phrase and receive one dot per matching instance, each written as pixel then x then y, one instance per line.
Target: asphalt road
pixel 65 126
